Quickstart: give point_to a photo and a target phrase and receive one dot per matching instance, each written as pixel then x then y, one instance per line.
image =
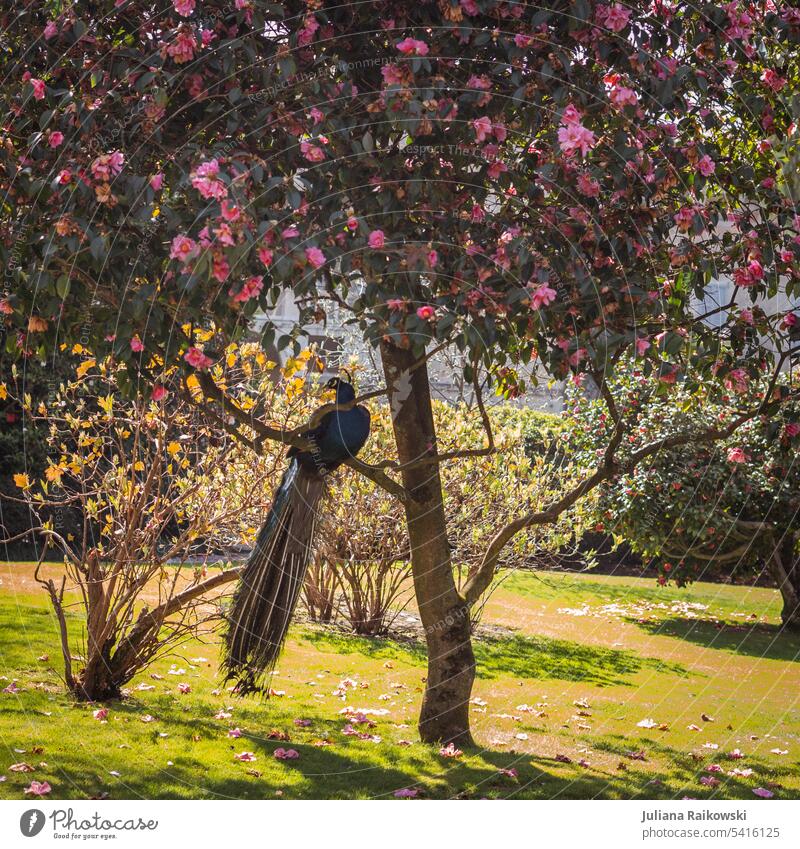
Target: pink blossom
pixel 38 88
pixel 709 781
pixel 55 139
pixel 614 17
pixel 205 178
pixel 38 788
pixel 286 754
pixel 182 49
pixel 396 304
pixel 229 211
pixel 184 7
pixel 245 757
pixel 736 380
pixel 108 165
pixel 406 793
pixel 450 751
pixel 290 233
pixel 392 75
pixel 482 82
pixel 522 40
pixel 50 30
pixel 183 688
pixel 575 137
pixel 412 47
pixel 622 96
pixel 482 127
pixel 220 267
pixel 136 344
pixel 312 152
pixel 542 296
pixel 377 239
pixel 746 316
pixel 224 234
pixel 64 176
pixel 571 115
pixel 184 249
pixel 588 186
pixel 433 259
pixel 761 792
pixel 789 321
pixel 706 166
pixel 316 115
pixel 773 80
pixel 250 289
pixel 234 732
pixel 641 346
pixel 426 312
pixel 100 714
pixel 792 429
pixel 159 393
pixel 157 181
pixel 500 132
pixel 787 256
pixel 315 257
pixel 196 358
pixel 737 455
pixel 266 256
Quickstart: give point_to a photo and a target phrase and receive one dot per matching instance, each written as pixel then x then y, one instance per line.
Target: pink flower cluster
pixel 108 165
pixel 614 17
pixel 484 128
pixel 205 178
pixel 184 7
pixel 197 359
pixel 184 249
pixel 182 48
pixel 542 296
pixel 573 137
pixel 250 289
pixel 412 47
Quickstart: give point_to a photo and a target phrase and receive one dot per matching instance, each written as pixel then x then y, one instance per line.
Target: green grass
pixel 647 656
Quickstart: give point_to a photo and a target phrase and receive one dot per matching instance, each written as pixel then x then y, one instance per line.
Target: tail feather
pixel 272 580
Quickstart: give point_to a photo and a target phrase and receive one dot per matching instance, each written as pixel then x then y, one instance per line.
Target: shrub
pixel 154 484
pixel 362 572
pixel 705 510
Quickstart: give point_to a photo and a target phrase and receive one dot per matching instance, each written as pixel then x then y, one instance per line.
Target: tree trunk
pixel 444 614
pixel 785 568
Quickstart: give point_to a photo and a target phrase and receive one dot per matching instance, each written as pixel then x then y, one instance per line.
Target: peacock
pixel 270 585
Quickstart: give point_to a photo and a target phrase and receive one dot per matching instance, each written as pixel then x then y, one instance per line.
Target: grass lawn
pixel 579 662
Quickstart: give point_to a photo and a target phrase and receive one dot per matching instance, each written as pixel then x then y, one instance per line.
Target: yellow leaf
pixel 173 448
pixel 54 473
pixel 3 392
pixel 84 367
pixel 138 466
pixel 22 481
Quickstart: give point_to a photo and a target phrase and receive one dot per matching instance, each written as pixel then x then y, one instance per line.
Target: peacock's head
pixel 345 393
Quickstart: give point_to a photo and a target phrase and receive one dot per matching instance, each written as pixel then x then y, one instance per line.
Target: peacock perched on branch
pixel 270 585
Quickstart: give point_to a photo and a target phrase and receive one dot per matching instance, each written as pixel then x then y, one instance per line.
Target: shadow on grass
pixel 540 658
pixel 763 641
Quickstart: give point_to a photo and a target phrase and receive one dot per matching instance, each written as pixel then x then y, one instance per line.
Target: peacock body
pixel 270 586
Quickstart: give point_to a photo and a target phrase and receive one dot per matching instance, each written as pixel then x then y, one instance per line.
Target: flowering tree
pixel 551 183
pixel 726 508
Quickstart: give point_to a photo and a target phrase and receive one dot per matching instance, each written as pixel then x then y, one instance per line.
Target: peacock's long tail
pixel 270 585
